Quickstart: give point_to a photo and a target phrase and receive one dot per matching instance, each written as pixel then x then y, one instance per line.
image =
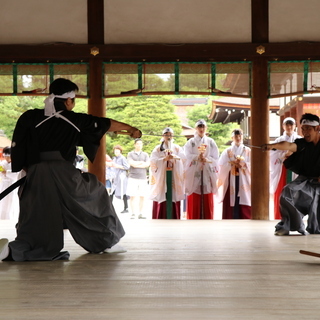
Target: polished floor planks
pixel 172 270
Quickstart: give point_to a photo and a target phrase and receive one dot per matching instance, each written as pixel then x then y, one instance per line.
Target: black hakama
pixel 73 200
pixel 56 195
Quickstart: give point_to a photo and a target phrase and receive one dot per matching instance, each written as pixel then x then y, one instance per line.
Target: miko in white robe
pixel 198 198
pixel 9 205
pixel 158 176
pixel 234 181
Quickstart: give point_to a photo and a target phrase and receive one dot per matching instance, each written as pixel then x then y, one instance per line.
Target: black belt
pixel 51 155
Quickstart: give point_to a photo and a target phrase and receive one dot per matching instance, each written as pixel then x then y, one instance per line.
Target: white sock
pixel 115 249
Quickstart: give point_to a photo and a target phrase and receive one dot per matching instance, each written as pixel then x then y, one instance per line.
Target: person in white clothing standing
pixel 166 156
pixel 137 187
pixel 9 206
pixel 201 173
pixel 119 184
pixel 279 175
pixel 234 181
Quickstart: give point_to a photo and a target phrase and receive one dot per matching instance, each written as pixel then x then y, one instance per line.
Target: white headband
pixel 307 122
pixel 166 130
pixel 201 123
pixel 237 131
pixel 49 108
pixel 289 119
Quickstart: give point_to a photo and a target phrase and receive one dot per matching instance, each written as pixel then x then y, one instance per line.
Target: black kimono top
pixel 306 161
pixel 55 134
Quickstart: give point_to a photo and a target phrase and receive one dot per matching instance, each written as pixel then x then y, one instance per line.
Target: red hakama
pixel 194 206
pixel 239 211
pixel 281 184
pixel 159 210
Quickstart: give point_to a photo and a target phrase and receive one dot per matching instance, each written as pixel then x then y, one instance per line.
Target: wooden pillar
pixel 96 104
pixel 260 21
pixel 259 136
pixel 259 113
pixel 97 107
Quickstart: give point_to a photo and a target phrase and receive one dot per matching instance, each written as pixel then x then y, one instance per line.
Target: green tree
pixel 219 132
pixel 12 107
pixel 81 105
pixel 151 114
pixel 9 114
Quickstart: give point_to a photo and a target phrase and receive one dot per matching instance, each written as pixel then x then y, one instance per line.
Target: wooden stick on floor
pixel 310 253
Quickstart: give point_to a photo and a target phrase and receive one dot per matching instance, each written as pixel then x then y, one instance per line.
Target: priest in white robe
pixel 201 173
pixel 234 181
pixel 166 156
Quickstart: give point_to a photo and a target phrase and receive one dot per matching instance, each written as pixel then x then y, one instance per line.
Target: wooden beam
pixel 59 52
pixel 260 21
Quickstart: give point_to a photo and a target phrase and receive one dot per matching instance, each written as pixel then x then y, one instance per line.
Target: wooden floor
pixel 173 270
